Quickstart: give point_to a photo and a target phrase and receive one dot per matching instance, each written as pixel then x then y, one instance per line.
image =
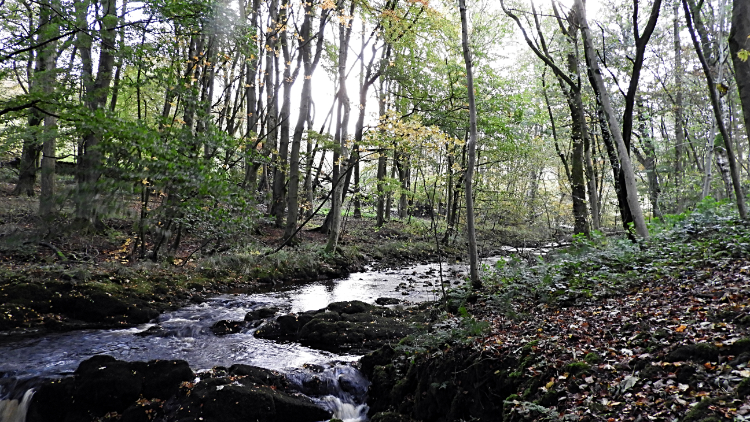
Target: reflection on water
pixel 186 334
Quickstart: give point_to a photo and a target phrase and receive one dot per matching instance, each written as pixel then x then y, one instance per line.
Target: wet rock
pixel 389 417
pixel 51 400
pixel 353 326
pixel 260 376
pixel 163 390
pixel 223 399
pixel 224 327
pixel 111 387
pixel 382 301
pixel 350 307
pixel 161 378
pixel 261 313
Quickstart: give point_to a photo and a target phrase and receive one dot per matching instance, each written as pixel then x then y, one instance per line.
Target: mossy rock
pixel 740 346
pixel 701 352
pixel 702 412
pixel 592 358
pixel 576 368
pixel 743 389
pixel 388 417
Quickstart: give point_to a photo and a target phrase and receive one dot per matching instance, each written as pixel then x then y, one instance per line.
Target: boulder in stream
pixel 167 390
pixel 344 327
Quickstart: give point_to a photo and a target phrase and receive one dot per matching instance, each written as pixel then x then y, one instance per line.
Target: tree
pixel 739 45
pixel 626 167
pixel 570 83
pixel 471 236
pixel 718 115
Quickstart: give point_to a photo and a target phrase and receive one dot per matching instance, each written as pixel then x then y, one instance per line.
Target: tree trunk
pixel 679 132
pixel 39 84
pixel 625 165
pixel 476 283
pixel 740 197
pixel 309 65
pixel 96 93
pixel 251 73
pixel 739 39
pixel 382 164
pixel 281 169
pixel 342 133
pixel 49 148
pixel 591 185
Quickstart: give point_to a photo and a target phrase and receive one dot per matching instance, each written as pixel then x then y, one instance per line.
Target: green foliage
pixel 601 265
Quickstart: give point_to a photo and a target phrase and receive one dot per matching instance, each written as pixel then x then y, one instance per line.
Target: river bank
pixel 604 331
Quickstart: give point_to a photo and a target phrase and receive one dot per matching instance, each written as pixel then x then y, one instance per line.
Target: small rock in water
pixel 261 313
pixel 227 327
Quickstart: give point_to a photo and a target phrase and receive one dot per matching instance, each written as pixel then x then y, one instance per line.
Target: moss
pixel 743 389
pixel 592 358
pixel 528 347
pixel 576 368
pixel 701 412
pixel 515 374
pixel 740 346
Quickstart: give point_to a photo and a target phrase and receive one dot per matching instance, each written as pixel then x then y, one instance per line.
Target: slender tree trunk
pixel 476 283
pixel 342 134
pixel 49 148
pixel 739 39
pixel 740 197
pixel 590 183
pixel 280 170
pixel 38 87
pixel 647 158
pixel 625 165
pixel 382 163
pixel 679 131
pixel 309 64
pixel 251 74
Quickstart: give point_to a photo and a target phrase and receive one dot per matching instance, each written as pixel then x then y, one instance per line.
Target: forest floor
pixel 602 331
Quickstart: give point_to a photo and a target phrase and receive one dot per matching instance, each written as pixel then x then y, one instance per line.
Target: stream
pixel 186 334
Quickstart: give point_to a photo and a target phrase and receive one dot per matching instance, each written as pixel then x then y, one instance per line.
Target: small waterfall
pixel 14 410
pixel 339 387
pixel 347 412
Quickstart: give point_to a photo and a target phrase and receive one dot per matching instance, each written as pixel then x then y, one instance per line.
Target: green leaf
pixel 743 55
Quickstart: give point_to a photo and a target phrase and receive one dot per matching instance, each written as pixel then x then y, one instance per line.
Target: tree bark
pixel 740 197
pixel 476 283
pixel 310 62
pixel 679 131
pixel 625 165
pixel 281 170
pixel 39 85
pixel 96 92
pixel 739 39
pixel 49 148
pixel 342 133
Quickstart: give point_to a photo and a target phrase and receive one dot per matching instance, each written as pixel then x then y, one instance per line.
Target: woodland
pixel 156 151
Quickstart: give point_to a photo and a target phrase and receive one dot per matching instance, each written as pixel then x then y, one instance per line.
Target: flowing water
pixel 186 334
